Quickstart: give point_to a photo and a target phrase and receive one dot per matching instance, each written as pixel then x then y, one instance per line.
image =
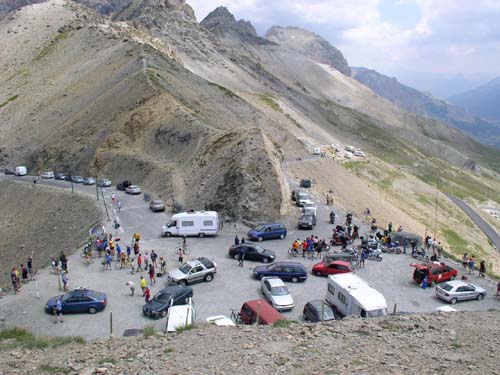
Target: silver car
pixel 103 182
pixel 201 269
pixel 133 189
pixel 89 181
pixel 277 293
pixel 457 290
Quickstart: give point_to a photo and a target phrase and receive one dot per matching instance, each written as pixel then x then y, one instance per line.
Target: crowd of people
pixel 22 275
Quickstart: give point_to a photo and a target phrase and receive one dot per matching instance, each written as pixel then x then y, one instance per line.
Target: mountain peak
pixel 309 44
pixel 221 20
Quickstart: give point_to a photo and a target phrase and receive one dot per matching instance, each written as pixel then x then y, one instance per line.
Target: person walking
pixel 482 268
pixel 30 268
pixel 363 257
pixel 64 261
pixel 405 245
pixel 143 284
pixel 147 294
pixel 119 206
pixel 236 240
pixel 58 311
pixel 241 259
pixel 465 261
pixel 145 259
pixel 389 227
pixel 64 278
pixel 24 274
pixel 304 248
pixel 139 262
pixel 181 255
pixel 472 263
pixel 113 197
pixel 242 240
pixel 131 286
pixel 152 279
pixel 439 250
pixel 108 261
pixel 15 280
pixel 163 266
pixel 153 257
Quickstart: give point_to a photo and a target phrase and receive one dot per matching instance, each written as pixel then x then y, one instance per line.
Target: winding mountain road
pixel 478 220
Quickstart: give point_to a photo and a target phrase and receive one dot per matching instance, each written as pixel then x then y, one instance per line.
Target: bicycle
pixel 236 316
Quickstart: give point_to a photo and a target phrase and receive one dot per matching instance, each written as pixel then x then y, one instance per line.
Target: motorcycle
pixel 375 254
pixel 391 248
pixel 420 254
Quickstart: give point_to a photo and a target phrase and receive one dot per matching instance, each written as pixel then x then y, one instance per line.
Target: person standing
pixel 472 263
pixel 143 284
pixel 24 274
pixel 389 227
pixel 163 266
pixel 152 279
pixel 465 261
pixel 58 311
pixel 113 197
pixel 241 259
pixel 64 261
pixel 131 286
pixel 139 262
pixel 181 255
pixel 119 206
pixel 30 267
pixel 64 277
pixel 242 240
pixel 108 260
pixel 363 257
pixel 146 260
pixel 425 283
pixel 236 240
pixel 153 257
pixel 440 250
pixel 498 289
pixel 482 268
pixel 147 294
pixel 405 245
pixel 15 280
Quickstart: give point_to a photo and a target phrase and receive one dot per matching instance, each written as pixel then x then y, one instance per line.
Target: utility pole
pixel 436 213
pixel 98 165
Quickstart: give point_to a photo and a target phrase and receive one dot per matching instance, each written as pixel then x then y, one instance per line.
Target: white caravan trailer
pixel 348 294
pixel 192 223
pixel 21 171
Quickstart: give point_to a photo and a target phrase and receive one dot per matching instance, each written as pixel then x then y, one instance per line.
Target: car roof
pixel 457 283
pixel 174 289
pixel 340 262
pixel 317 304
pixel 289 264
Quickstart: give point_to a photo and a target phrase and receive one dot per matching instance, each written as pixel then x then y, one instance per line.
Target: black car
pixel 123 185
pixel 305 183
pixel 80 300
pixel 286 271
pixel 59 176
pixel 312 311
pixel 307 221
pixel 175 294
pixel 9 171
pixel 252 252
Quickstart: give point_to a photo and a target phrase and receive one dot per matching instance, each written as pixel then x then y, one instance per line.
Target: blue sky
pixel 394 37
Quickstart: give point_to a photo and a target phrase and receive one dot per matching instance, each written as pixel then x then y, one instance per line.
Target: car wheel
pixel 236 256
pixel 182 283
pixel 453 301
pixel 379 259
pixel 259 239
pixel 318 273
pixel 295 279
pixel 201 235
pixel 480 297
pixel 92 310
pixel 265 260
pixel 282 236
pixel 168 234
pixel 209 277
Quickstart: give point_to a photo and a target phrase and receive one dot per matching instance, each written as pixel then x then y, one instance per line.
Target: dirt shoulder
pixel 440 343
pixel 41 222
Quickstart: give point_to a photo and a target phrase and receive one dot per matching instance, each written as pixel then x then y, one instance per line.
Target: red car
pixel 331 268
pixel 436 272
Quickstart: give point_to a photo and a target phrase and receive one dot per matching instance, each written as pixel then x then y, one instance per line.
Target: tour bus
pixel 348 294
pixel 192 223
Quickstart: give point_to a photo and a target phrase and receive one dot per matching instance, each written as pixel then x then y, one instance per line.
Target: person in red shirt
pixel 147 294
pixel 139 262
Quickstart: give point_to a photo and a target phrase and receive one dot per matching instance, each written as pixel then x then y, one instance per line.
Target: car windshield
pixel 279 291
pixel 259 249
pixel 306 217
pixel 93 294
pixel 185 268
pixel 376 313
pixel 446 287
pixel 327 314
pixel 260 228
pixel 157 203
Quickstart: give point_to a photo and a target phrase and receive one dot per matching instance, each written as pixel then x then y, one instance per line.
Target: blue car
pixel 79 300
pixel 267 232
pixel 286 271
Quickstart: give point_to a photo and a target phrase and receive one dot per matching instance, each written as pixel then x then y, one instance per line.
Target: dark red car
pixel 331 268
pixel 436 272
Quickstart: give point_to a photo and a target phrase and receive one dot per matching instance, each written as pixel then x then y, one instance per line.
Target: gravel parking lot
pixel 231 287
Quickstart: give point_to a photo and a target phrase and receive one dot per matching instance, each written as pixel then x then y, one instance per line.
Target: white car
pixel 133 189
pixel 359 153
pixel 220 321
pixel 47 175
pixel 458 290
pixel 309 207
pixel 347 155
pixel 277 293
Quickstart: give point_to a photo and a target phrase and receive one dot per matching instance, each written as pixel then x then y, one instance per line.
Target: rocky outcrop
pixel 309 44
pixel 221 21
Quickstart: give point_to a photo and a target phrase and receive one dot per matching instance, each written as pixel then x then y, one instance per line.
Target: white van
pixel 180 316
pixel 21 171
pixel 317 151
pixel 350 148
pixel 348 294
pixel 192 223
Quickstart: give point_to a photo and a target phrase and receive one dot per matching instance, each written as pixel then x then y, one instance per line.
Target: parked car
pixel 436 272
pixel 157 206
pixel 68 178
pixel 170 296
pixel 347 155
pixel 314 309
pixel 295 193
pixel 47 175
pixel 307 221
pixel 458 290
pixel 220 321
pixel 201 269
pixel 331 268
pixel 301 198
pixel 133 189
pixel 123 185
pixel 305 183
pixel 359 153
pixel 287 271
pixel 59 176
pixel 277 293
pixel 89 181
pixel 252 252
pixel 81 300
pixel 103 182
pixel 9 172
pixel 77 179
pixel 267 232
pixel 260 312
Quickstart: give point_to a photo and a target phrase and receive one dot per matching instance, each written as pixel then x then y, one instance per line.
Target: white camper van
pixel 21 171
pixel 192 223
pixel 348 294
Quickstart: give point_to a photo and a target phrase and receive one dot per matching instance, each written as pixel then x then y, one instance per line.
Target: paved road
pixel 230 288
pixel 478 220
